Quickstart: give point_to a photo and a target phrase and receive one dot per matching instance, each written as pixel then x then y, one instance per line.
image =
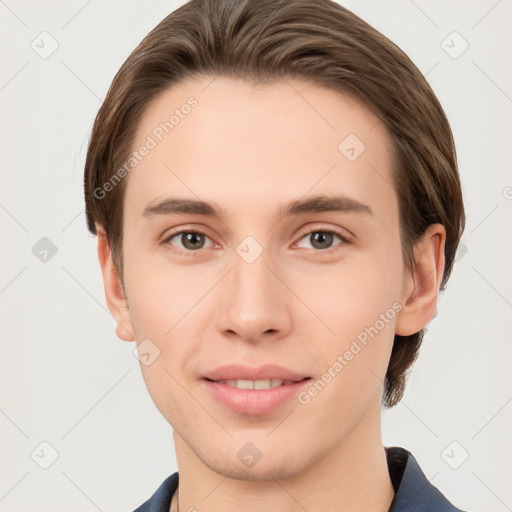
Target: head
pixel 256 107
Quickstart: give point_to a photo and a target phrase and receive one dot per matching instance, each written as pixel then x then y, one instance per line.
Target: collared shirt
pixel 413 491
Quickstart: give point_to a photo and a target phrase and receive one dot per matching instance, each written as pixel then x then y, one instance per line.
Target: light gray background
pixel 68 381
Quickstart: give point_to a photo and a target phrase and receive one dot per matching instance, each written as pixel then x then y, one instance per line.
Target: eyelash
pixel 344 239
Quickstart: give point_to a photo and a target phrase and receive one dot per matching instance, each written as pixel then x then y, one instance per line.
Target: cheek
pixel 161 294
pixel 169 305
pixel 359 306
pixel 351 296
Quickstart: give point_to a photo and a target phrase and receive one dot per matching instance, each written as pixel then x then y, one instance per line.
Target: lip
pixel 242 372
pixel 253 401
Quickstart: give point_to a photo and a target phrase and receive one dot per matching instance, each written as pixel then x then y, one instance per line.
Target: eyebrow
pixel 316 204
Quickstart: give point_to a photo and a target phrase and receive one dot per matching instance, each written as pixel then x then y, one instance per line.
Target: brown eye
pixel 192 240
pixel 187 241
pixel 322 239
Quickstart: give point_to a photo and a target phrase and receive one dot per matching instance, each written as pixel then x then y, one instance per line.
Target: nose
pixel 255 304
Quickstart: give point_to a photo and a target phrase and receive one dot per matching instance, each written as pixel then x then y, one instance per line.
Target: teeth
pixel 254 384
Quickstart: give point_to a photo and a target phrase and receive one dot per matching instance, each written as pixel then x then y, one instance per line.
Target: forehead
pixel 255 144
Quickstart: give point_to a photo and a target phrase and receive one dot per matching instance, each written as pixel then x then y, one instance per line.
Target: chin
pixel 275 468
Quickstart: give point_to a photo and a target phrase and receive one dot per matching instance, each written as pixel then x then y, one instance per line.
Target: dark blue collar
pixel 413 491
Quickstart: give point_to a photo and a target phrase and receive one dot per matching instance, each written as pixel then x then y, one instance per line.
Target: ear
pixel 422 284
pixel 114 293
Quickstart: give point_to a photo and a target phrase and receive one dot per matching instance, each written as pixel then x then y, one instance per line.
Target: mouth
pixel 258 384
pixel 253 391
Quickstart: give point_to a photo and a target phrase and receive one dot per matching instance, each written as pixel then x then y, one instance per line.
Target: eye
pixel 190 240
pixel 322 239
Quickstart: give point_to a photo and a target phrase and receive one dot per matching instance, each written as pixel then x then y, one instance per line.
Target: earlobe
pixel 114 293
pixel 125 320
pixel 420 303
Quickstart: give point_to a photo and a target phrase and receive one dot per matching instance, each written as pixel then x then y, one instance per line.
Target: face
pixel 294 261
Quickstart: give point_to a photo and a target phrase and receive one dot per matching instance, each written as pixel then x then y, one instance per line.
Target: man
pixel 276 197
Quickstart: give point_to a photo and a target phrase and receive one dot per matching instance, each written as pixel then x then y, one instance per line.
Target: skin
pixel 251 149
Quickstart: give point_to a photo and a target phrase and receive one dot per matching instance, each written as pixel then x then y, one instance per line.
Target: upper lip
pixel 264 372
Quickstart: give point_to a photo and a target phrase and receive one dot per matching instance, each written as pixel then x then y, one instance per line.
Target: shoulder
pixel 414 492
pixel 161 498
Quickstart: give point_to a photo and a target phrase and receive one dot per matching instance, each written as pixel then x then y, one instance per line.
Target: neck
pixel 353 476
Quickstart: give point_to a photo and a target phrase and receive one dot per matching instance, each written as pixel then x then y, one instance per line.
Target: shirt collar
pixel 413 491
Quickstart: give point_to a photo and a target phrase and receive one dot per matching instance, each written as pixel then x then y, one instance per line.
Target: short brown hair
pixel 267 40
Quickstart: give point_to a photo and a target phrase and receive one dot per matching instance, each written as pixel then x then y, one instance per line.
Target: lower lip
pixel 253 401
